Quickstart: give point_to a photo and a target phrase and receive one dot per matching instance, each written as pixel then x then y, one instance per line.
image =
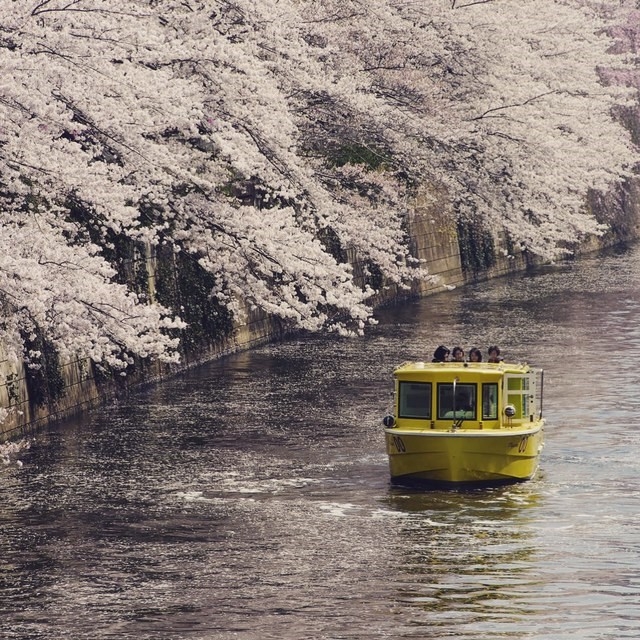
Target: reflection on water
pixel 469 558
pixel 250 498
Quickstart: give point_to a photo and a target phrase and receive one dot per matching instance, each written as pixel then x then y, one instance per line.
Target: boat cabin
pixel 468 395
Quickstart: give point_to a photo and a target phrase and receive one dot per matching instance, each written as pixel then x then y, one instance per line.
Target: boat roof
pixel 492 368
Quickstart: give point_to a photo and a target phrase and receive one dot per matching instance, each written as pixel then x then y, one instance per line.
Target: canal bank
pixel 455 254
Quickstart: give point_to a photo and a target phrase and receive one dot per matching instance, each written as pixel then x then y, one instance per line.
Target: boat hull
pixel 464 455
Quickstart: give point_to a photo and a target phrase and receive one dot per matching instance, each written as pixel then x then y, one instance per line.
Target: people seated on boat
pixel 475 355
pixel 441 354
pixel 494 354
pixel 457 354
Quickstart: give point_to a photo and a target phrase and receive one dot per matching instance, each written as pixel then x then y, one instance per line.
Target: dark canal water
pixel 249 499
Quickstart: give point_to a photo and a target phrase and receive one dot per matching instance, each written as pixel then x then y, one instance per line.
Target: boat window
pixel 490 401
pixel 519 394
pixel 464 405
pixel 415 400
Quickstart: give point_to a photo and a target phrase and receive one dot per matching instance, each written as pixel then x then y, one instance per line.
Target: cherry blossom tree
pixel 506 108
pixel 270 140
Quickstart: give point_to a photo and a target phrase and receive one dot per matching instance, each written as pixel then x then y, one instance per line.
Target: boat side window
pixel 415 400
pixel 490 401
pixel 518 394
pixel 464 405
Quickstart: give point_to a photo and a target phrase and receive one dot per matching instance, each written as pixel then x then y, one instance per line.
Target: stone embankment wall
pixel 436 239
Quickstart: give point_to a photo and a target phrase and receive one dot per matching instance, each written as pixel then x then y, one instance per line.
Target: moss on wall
pixel 181 283
pixel 43 375
pixel 477 247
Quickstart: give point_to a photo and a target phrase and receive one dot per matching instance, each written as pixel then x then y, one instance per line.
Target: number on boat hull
pixel 522 447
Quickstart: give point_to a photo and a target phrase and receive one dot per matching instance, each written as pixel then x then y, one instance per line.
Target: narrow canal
pixel 249 499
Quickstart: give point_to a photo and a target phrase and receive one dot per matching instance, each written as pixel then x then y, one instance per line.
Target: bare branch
pixel 71 6
pixel 469 4
pixel 511 106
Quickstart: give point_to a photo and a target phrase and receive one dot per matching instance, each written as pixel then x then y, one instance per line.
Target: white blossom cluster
pixel 10 450
pixel 232 130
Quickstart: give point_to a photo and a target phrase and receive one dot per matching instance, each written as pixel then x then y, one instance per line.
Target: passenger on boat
pixel 441 354
pixel 494 354
pixel 457 354
pixel 475 355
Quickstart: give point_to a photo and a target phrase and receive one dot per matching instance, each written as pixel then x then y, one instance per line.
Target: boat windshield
pixel 461 405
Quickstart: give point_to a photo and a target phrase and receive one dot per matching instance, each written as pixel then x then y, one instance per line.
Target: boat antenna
pixel 456 421
pixel 455 381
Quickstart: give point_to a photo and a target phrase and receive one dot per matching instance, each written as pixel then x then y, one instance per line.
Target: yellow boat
pixel 460 423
